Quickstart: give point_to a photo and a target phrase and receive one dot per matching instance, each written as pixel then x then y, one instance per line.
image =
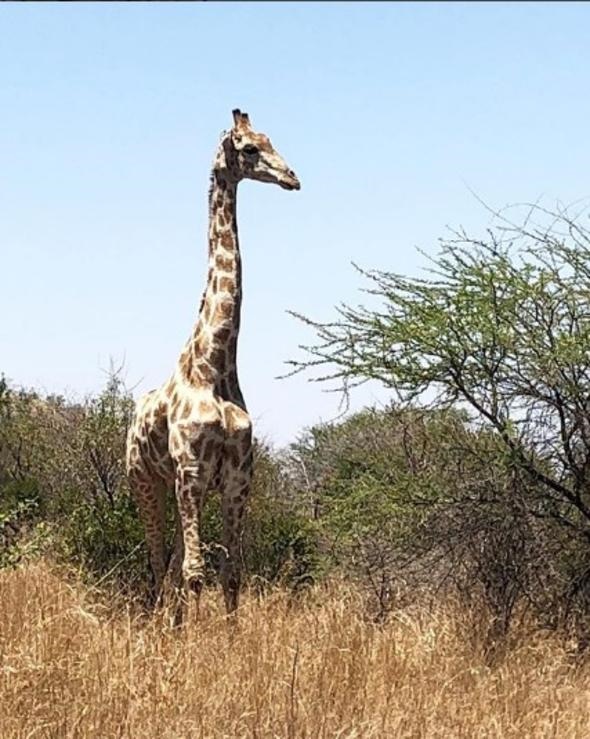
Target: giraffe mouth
pixel 291 184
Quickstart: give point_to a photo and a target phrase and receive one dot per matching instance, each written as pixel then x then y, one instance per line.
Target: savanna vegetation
pixel 419 569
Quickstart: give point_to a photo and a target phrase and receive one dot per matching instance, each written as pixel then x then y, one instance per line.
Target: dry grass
pixel 74 668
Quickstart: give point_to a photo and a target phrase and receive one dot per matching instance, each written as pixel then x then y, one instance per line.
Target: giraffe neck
pixel 210 356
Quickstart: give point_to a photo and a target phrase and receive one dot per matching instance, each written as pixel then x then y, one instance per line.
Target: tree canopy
pixel 500 325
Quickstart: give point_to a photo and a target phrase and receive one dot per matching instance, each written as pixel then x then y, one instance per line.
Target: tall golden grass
pixel 72 666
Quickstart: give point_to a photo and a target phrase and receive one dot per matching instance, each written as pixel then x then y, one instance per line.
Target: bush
pixel 21 532
pixel 104 539
pixel 280 544
pixel 62 465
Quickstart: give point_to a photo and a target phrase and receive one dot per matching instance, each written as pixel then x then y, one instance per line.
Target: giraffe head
pixel 246 154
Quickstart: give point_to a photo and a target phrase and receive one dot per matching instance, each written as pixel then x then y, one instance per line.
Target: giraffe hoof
pixel 195 585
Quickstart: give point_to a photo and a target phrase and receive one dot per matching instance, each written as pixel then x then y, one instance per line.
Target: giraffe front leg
pixel 234 505
pixel 195 449
pixel 175 565
pixel 173 583
pixel 236 488
pixel 191 488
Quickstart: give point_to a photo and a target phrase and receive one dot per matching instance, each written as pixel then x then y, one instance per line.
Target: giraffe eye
pixel 250 150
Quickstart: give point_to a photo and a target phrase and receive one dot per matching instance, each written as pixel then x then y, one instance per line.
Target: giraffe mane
pixel 210 194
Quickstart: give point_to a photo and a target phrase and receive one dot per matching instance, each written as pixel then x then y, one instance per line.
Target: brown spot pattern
pixel 226 264
pixel 227 285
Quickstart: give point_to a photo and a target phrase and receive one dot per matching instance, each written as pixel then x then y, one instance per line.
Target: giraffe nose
pixel 294 180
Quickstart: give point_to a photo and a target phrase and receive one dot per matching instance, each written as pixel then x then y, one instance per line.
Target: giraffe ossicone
pixel 193 435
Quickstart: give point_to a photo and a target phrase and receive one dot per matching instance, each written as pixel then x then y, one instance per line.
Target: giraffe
pixel 194 434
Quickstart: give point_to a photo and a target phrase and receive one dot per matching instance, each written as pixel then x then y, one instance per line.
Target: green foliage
pixel 500 328
pixel 281 546
pixel 62 481
pixel 280 543
pixel 367 474
pixel 102 438
pixel 21 532
pixel 20 499
pixel 104 539
pixel 63 486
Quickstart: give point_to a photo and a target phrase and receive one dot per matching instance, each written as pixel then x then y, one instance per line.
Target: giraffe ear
pixel 241 120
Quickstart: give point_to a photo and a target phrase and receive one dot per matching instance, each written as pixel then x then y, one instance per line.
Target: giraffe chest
pixel 213 417
pixel 208 428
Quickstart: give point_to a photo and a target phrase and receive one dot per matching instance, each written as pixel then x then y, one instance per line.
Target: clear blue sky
pixel 110 117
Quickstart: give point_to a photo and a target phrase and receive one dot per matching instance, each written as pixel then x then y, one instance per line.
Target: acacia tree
pixel 499 325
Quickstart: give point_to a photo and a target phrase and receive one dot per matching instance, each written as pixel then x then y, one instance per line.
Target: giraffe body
pixel 193 435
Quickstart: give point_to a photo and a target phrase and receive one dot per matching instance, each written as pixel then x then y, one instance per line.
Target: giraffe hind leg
pixel 150 497
pixel 237 478
pixel 173 595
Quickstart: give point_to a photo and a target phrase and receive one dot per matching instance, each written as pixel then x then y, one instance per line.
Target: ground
pixel 73 665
